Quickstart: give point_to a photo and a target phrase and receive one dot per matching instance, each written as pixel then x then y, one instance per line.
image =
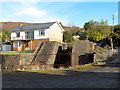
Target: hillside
pixel 8 26
pixel 74 28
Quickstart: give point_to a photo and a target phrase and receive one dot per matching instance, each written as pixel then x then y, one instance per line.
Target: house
pixel 27 37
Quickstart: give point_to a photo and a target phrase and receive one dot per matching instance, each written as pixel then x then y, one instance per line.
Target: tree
pixel 82 35
pixel 116 35
pixel 4 36
pixel 96 31
pixel 117 29
pixel 67 37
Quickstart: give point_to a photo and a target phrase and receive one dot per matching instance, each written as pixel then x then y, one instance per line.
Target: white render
pixel 54 33
pixel 37 36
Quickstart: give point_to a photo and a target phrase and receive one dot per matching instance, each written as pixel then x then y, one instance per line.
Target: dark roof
pixel 35 26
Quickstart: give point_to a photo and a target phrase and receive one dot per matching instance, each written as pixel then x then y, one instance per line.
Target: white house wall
pixel 13 34
pixel 14 37
pixel 22 34
pixel 56 33
pixel 37 36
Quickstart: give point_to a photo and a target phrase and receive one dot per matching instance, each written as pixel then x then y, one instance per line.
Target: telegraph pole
pixel 0 36
pixel 113 23
pixel 112 33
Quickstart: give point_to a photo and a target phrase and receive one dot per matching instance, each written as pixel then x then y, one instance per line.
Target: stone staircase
pixel 46 54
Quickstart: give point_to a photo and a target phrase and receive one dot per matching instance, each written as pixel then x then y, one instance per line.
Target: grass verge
pixel 56 71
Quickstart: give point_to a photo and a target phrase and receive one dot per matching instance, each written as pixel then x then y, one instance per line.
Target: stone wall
pixel 81 52
pixel 102 54
pixel 43 58
pixel 10 62
pixel 47 54
pixel 26 59
pixel 51 53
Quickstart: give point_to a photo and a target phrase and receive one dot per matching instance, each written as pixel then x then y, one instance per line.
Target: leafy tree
pixel 67 37
pixel 116 35
pixel 3 36
pixel 96 36
pixel 82 35
pixel 117 29
pixel 96 31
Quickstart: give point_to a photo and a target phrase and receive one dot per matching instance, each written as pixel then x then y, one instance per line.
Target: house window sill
pixel 41 35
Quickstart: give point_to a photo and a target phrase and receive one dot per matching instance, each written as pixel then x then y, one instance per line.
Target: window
pixel 29 34
pixel 15 44
pixel 42 32
pixel 18 34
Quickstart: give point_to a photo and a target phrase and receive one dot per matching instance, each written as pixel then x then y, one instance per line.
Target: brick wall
pixel 12 46
pixel 23 45
pixel 36 41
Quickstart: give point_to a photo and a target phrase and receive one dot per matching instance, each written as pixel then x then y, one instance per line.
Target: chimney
pixel 20 25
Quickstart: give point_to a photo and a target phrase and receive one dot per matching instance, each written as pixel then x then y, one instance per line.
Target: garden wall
pixel 102 54
pixel 10 62
pixel 42 58
pixel 82 52
pixel 48 54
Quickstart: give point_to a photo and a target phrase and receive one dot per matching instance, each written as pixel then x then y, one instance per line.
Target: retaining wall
pixel 48 54
pixel 82 49
pixel 102 54
pixel 10 62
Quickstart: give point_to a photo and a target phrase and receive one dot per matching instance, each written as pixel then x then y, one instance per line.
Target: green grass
pixel 16 52
pixel 79 68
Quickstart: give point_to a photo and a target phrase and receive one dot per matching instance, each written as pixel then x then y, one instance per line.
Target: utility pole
pixel 113 23
pixel 112 33
pixel 0 36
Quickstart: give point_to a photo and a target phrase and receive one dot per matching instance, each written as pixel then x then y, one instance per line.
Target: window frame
pixel 41 32
pixel 17 34
pixel 15 44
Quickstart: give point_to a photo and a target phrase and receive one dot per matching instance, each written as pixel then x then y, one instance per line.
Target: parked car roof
pixel 35 26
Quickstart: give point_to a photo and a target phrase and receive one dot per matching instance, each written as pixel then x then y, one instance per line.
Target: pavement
pixel 117 52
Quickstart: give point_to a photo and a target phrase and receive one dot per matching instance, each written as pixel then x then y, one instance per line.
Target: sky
pixel 74 13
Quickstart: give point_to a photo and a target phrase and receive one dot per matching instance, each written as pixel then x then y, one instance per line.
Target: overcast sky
pixel 76 13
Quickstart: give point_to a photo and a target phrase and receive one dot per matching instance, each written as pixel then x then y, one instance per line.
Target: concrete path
pixel 117 59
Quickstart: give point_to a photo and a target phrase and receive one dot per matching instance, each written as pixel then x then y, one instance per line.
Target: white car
pixel 27 48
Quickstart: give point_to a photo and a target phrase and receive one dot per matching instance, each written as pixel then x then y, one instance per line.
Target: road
pixel 98 77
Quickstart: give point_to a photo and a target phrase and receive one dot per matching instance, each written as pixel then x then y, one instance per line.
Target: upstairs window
pixel 18 34
pixel 42 32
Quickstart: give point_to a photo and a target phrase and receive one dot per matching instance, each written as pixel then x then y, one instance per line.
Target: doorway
pixel 26 44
